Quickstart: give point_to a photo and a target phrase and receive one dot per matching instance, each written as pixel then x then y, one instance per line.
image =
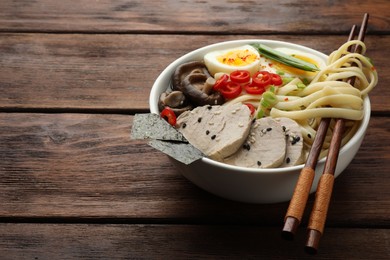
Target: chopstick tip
pixel 313 241
pixel 290 228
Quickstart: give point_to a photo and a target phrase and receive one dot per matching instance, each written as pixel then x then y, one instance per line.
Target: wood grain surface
pixel 73 185
pixel 136 241
pixel 86 166
pixel 188 17
pixel 116 72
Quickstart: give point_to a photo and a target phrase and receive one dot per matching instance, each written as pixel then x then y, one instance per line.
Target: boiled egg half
pixel 244 57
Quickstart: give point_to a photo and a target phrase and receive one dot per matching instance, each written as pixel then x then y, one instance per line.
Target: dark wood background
pixel 73 184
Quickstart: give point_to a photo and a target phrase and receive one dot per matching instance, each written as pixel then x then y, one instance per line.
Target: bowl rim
pixel 167 72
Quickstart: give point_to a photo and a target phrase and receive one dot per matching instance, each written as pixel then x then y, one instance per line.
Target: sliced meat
pixel 294 142
pixel 217 131
pixel 265 146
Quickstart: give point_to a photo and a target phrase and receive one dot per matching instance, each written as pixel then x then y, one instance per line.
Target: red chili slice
pixel 168 114
pixel 240 76
pixel 231 90
pixel 251 107
pixel 221 82
pixel 276 79
pixel 252 88
pixel 262 78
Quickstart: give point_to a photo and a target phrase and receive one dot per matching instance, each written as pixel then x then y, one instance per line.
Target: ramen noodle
pixel 328 95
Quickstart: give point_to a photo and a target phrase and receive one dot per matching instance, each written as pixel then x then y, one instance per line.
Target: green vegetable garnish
pixel 305 81
pixel 284 58
pixel 300 85
pixel 268 100
pixel 286 80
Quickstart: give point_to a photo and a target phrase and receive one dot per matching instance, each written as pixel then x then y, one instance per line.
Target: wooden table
pixel 73 184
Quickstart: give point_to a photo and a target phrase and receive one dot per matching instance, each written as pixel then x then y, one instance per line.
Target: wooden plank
pixel 75 241
pixel 116 72
pixel 84 166
pixel 236 17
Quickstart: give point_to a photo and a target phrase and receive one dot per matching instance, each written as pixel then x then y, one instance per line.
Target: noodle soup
pixel 254 184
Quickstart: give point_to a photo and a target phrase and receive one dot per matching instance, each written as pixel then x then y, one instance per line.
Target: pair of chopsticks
pixel 325 185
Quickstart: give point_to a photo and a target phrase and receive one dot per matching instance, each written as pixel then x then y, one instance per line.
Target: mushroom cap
pixel 191 79
pixel 176 100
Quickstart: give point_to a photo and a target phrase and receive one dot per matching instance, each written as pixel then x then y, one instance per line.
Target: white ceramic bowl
pixel 246 184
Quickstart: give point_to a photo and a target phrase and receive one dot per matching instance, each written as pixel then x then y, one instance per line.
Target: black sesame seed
pixel 284 128
pixel 207 132
pixel 209 107
pixel 309 135
pixel 269 129
pixel 288 160
pixel 246 146
pixel 199 119
pixel 258 163
pixel 295 140
pixel 213 137
pixel 184 125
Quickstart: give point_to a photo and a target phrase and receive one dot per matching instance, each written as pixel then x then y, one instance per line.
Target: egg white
pixel 214 66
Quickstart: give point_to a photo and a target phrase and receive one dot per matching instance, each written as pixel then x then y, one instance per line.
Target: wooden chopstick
pixel 302 189
pixel 325 185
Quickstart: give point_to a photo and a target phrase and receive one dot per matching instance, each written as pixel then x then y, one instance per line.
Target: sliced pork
pixel 217 131
pixel 265 146
pixel 294 142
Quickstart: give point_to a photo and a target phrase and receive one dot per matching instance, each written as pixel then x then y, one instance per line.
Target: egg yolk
pixel 238 58
pixel 296 71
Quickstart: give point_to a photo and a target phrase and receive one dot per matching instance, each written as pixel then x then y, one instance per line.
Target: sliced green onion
pixel 300 85
pixel 284 58
pixel 305 81
pixel 260 114
pixel 286 80
pixel 268 100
